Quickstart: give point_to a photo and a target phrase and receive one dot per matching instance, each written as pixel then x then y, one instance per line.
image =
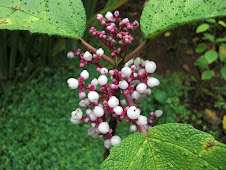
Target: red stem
pixel 91 48
pixel 136 51
pixel 130 103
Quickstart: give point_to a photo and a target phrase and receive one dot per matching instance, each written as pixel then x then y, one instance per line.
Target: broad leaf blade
pixel 168 146
pixel 208 74
pixel 223 72
pixel 55 17
pixel 202 28
pixel 161 15
pixel 211 56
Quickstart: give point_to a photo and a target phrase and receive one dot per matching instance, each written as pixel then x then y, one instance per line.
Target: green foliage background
pixel 35 122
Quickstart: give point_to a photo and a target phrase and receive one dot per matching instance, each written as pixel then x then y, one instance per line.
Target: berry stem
pixel 130 103
pixel 91 48
pixel 136 51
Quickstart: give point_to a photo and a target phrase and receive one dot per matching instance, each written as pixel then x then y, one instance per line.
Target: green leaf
pixel 211 56
pixel 222 23
pixel 161 15
pixel 208 74
pixel 160 96
pixel 222 58
pixel 221 39
pixel 168 146
pixel 54 17
pixel 202 62
pixel 211 20
pixel 201 48
pixel 202 28
pixel 222 49
pixel 223 72
pixel 208 36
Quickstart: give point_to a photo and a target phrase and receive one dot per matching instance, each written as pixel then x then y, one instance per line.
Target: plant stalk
pixel 136 51
pixel 130 103
pixel 91 48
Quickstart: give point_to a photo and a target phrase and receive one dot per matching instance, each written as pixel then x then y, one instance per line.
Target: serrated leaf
pixel 208 36
pixel 202 28
pixel 208 74
pixel 54 17
pixel 223 72
pixel 160 96
pixel 211 56
pixel 201 48
pixel 168 146
pixel 202 62
pixel 222 23
pixel 161 15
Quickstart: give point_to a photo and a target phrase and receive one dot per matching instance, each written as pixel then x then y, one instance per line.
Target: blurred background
pixel 35 102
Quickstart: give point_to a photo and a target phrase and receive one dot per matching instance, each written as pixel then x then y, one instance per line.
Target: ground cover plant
pixel 148 148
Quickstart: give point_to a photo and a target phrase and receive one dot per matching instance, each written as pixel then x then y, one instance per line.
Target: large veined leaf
pixel 168 146
pixel 55 17
pixel 161 15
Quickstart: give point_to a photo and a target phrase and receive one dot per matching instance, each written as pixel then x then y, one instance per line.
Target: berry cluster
pixel 102 98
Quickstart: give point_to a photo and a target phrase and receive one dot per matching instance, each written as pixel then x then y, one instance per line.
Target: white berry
pixel 141 88
pixel 152 82
pixel 92 117
pixel 158 113
pixel 87 56
pixel 102 80
pixel 135 95
pixel 129 63
pixel 92 131
pixel 93 96
pixel 115 140
pixel 98 111
pixel 70 54
pixel 107 143
pixel 126 71
pixel 88 111
pixel 123 103
pixel 104 127
pixel 145 62
pixel 133 128
pixel 100 105
pixel 94 82
pixel 100 51
pixel 104 71
pixel 150 67
pixel 142 120
pixel 147 91
pixel 118 110
pixel 74 121
pixel 77 114
pixel 123 84
pixel 109 15
pixel 85 74
pixel 135 74
pixel 87 102
pixel 137 61
pixel 72 83
pixel 113 102
pixel 133 112
pixel 81 103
